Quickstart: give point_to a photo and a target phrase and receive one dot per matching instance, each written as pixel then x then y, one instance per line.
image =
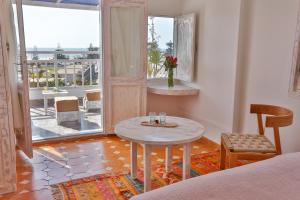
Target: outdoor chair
pixel 67 109
pixel 92 100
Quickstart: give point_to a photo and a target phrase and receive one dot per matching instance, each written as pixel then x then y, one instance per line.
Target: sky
pixel 48 27
pixel 164 30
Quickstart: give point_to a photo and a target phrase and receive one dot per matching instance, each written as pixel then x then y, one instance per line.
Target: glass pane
pixel 160 44
pixel 126 41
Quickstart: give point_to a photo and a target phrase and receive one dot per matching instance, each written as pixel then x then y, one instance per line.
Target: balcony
pixel 74 72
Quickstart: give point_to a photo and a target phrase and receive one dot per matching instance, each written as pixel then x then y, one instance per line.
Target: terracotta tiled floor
pixel 54 163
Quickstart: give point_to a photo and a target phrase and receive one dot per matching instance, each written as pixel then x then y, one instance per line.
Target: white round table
pixel 186 132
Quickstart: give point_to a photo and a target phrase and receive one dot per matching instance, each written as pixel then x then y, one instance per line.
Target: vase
pixel 170 78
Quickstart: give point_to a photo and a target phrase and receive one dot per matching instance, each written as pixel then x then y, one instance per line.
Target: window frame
pixel 294 88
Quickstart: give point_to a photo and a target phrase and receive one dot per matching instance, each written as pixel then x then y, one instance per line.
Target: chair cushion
pixel 93 95
pixel 248 143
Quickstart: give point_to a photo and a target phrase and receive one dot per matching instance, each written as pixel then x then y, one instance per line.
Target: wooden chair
pixel 256 147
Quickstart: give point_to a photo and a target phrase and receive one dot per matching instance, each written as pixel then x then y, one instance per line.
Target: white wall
pixel 217 33
pixel 244 55
pixel 215 67
pixel 265 62
pixel 165 7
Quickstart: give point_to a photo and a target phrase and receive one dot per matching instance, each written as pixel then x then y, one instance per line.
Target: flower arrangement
pixel 170 64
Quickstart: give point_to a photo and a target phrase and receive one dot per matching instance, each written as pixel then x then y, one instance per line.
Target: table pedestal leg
pixel 186 161
pixel 133 154
pixel 168 158
pixel 147 168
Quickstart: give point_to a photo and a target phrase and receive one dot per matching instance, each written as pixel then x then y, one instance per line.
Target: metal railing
pixel 48 69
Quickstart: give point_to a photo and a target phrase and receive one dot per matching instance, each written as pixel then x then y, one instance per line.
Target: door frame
pixel 20 20
pixel 8 146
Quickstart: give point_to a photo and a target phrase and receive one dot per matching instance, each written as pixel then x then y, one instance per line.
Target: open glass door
pixel 24 137
pixel 125 45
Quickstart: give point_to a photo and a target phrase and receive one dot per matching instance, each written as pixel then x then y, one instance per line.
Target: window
pixel 171 36
pixel 160 44
pixel 72 64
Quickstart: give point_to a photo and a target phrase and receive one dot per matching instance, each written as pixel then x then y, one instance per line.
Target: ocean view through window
pixel 66 38
pixel 63 48
pixel 64 52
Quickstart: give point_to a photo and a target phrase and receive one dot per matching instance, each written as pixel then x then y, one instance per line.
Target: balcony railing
pixel 48 69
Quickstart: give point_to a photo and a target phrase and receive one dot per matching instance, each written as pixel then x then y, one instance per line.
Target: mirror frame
pixel 294 90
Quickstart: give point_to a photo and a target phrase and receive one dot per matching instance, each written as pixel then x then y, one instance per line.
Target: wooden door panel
pixel 7 139
pixel 184 39
pixel 24 139
pixel 127 101
pixel 125 60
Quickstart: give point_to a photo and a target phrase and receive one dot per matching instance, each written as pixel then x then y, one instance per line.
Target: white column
pixel 91 78
pixel 147 167
pixel 55 70
pixel 133 154
pixel 99 73
pixel 186 161
pixel 65 67
pixel 168 158
pixel 82 74
pixel 37 75
pixel 74 75
pixel 46 104
pixel 47 76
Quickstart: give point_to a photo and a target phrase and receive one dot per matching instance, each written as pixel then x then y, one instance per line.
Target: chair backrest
pixel 276 117
pixel 93 96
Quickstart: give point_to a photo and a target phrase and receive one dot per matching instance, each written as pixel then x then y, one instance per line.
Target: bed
pixel 276 178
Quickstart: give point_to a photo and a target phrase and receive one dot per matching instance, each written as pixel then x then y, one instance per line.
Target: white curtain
pixel 10 40
pixel 126 41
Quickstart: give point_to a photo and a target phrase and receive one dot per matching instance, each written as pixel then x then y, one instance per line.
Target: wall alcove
pixel 159 86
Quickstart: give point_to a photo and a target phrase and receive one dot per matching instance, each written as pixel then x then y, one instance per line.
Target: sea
pixel 31 52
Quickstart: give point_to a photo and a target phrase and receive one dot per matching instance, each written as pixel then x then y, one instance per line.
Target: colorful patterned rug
pixel 122 186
